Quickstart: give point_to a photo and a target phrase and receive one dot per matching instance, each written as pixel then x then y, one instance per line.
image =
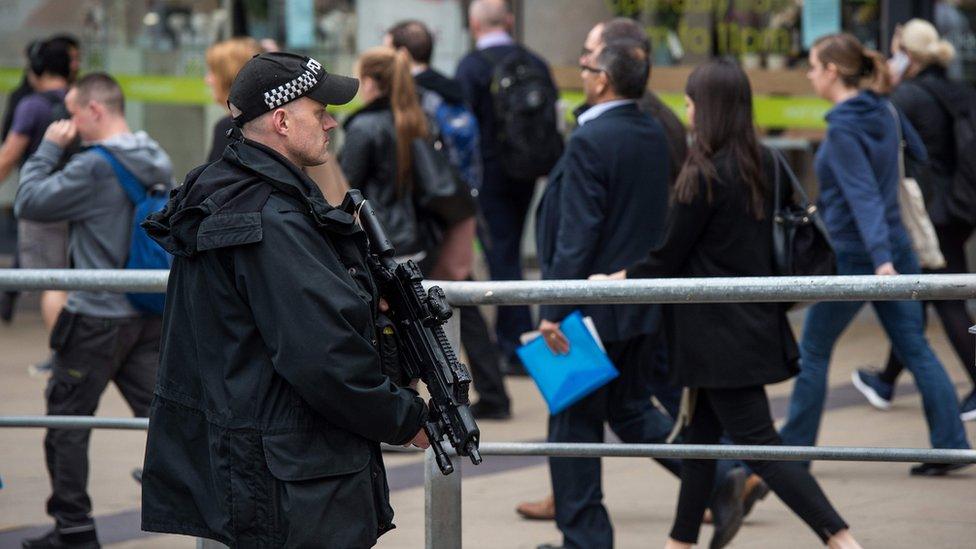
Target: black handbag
pixel 801 246
pixel 439 189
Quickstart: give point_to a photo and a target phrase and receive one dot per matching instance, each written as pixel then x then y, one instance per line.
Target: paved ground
pixel 885 507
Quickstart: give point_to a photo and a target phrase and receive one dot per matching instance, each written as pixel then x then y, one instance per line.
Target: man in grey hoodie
pixel 99 336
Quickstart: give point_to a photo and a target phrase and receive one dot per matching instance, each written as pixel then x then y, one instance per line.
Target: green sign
pixel 802 112
pixel 798 111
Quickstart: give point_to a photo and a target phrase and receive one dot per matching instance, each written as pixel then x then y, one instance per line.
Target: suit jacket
pixel 603 209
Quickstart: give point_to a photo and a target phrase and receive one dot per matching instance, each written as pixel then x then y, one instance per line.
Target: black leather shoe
pixel 727 508
pixel 483 410
pixel 752 496
pixel 936 469
pixel 56 539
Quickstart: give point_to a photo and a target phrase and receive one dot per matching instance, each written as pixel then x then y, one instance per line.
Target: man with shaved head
pixel 518 146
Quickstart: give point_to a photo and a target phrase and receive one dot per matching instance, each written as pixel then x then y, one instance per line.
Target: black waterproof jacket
pixel 270 402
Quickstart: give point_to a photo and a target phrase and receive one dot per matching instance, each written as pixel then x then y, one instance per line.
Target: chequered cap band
pixel 294 89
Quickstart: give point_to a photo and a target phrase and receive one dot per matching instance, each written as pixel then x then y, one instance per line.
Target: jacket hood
pixel 869 115
pixel 447 88
pixel 143 157
pixel 219 205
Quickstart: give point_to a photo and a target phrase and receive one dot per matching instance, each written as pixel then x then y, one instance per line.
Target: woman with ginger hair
pixel 224 61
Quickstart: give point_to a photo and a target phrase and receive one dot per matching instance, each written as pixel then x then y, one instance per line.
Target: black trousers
pixel 505 205
pixel 483 358
pixel 743 413
pixel 88 353
pixel 953 314
pixel 625 403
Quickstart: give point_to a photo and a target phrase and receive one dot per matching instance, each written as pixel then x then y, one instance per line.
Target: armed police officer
pixel 271 401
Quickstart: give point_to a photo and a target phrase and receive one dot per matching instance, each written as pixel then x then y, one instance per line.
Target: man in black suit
pixel 604 207
pixel 504 198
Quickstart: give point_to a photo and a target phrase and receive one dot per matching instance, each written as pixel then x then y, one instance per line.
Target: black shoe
pixel 483 410
pixel 727 508
pixel 753 496
pixel 936 469
pixel 58 539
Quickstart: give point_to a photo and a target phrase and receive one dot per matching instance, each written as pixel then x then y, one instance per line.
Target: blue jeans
pixel 903 323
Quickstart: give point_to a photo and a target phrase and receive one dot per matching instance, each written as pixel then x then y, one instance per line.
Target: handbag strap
pixel 901 141
pixel 780 163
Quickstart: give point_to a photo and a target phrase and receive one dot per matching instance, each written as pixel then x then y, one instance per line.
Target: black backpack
pixel 960 102
pixel 525 114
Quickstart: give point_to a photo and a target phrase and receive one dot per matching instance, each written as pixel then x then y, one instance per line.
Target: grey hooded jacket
pixel 87 194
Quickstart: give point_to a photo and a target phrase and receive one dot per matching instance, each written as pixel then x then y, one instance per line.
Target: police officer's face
pixel 308 132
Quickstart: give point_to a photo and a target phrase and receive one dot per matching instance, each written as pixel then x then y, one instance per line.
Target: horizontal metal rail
pixel 684 451
pixel 581 292
pixel 76 422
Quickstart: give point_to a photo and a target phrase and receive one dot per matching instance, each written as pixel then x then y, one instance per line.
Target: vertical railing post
pixel 442 493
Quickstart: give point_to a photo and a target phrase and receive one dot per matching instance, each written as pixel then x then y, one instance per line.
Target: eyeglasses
pixel 583 67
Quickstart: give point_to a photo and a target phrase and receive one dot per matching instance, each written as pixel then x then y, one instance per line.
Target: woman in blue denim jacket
pixel 857 166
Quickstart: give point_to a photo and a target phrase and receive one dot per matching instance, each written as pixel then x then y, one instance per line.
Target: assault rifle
pixel 418 317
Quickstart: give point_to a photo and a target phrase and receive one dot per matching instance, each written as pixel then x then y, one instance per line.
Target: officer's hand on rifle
pixel 419 440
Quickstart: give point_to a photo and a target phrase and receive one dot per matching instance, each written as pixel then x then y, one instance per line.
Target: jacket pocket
pixel 62 330
pixel 305 455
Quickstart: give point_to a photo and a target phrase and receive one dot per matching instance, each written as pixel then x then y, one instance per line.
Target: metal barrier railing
pixel 443 492
pixel 582 292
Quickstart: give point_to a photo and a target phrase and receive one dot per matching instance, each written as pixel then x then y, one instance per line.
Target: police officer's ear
pixel 280 121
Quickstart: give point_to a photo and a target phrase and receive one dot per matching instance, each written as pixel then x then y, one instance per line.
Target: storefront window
pixel 956 20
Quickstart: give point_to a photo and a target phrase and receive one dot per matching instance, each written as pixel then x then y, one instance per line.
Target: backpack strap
pixel 133 189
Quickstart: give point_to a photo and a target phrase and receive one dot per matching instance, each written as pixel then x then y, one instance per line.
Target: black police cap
pixel 270 80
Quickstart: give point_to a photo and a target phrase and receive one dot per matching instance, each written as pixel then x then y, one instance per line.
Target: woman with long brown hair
pixel 720 224
pixel 857 166
pixel 377 156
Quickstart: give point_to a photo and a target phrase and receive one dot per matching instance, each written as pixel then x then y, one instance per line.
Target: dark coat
pixel 720 345
pixel 270 402
pixel 369 162
pixel 475 72
pixel 935 126
pixel 603 209
pixel 219 139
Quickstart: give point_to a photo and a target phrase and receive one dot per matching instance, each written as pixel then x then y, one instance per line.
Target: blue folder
pixel 565 379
